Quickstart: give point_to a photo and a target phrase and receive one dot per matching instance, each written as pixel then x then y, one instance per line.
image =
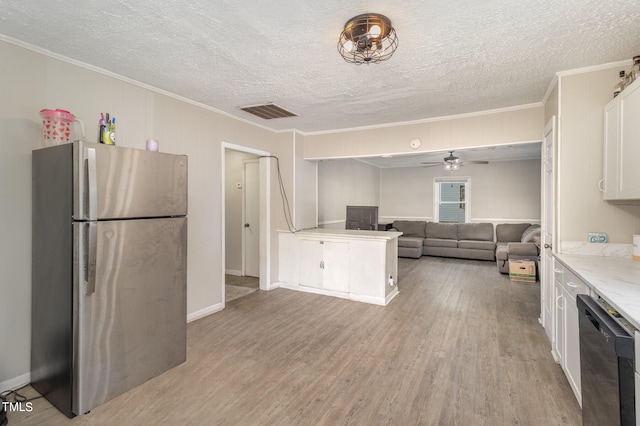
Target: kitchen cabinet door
pixel 572 345
pixel 629 148
pixel 311 263
pixel 324 265
pixel 610 154
pixel 558 346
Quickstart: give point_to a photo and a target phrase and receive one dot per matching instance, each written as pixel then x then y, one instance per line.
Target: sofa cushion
pixel 529 234
pixel 475 231
pixel 445 231
pixel 410 228
pixel 522 249
pixel 510 232
pixel 477 245
pixel 409 242
pixel 439 242
pixel 502 252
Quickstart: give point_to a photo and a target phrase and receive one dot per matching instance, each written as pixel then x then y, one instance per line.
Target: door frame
pixel 265 215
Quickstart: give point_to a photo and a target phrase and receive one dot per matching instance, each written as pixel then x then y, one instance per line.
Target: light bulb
pixel 375 31
pixel 348 46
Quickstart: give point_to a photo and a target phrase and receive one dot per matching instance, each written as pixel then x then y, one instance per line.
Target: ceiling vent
pixel 268 111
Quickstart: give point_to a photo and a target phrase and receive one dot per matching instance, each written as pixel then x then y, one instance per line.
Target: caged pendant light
pixel 367 38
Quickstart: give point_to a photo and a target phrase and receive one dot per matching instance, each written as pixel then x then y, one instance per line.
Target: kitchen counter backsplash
pixel 591 249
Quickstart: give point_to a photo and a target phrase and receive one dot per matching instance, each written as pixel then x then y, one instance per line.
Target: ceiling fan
pixel 452 162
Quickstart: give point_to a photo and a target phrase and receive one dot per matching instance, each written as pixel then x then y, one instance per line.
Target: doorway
pixel 245 249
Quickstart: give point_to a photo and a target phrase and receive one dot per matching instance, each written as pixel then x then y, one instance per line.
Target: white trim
pixel 233 272
pixel 128 80
pixel 467 197
pixel 502 220
pixel 111 74
pixel 16 382
pixel 553 83
pixel 205 312
pixel 592 68
pixel 331 222
pixel 427 120
pixel 391 218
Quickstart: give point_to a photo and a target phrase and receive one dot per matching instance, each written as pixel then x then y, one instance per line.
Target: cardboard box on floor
pixel 522 270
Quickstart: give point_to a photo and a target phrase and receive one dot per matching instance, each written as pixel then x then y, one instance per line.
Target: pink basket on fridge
pixel 57 126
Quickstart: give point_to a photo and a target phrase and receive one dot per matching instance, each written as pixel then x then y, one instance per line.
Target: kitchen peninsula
pixel 351 264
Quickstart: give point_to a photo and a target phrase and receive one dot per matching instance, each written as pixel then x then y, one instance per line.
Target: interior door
pixel 547 293
pixel 252 218
pixel 132 326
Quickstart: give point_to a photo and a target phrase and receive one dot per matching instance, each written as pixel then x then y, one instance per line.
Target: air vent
pixel 268 111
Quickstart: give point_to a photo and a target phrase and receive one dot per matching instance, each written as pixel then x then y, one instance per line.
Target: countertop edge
pixel 615 279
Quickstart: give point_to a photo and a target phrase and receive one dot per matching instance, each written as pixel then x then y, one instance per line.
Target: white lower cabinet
pixel 566 347
pixel 325 265
pixel 356 265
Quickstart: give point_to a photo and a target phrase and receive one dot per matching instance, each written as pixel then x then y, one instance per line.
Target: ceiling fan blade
pixel 475 162
pixel 431 164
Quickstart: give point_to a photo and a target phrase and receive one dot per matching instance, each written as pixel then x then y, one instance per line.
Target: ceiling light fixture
pixel 367 38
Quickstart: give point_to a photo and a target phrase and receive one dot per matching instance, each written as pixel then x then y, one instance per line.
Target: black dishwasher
pixel 606 364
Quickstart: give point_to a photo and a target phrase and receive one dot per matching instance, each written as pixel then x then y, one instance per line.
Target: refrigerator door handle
pixel 93 184
pixel 92 249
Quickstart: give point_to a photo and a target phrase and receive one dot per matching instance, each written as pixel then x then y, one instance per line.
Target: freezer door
pixel 131 325
pixel 112 182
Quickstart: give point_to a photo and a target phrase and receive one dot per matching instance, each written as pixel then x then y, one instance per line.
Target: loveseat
pixel 461 240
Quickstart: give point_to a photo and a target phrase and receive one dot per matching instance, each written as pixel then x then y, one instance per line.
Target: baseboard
pixel 233 272
pixel 15 382
pixel 205 312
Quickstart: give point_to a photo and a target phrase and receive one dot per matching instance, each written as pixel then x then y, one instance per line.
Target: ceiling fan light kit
pixel 367 38
pixel 452 162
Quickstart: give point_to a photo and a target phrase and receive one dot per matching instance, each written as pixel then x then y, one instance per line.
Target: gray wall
pixel 499 191
pixel 507 191
pixel 343 183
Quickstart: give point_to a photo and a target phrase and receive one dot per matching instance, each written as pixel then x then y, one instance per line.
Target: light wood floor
pixel 460 345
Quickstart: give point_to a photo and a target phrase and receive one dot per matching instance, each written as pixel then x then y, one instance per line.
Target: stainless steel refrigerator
pixel 109 262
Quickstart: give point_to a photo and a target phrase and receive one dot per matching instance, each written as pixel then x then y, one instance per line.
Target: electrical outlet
pixel 597 237
pixel 391 282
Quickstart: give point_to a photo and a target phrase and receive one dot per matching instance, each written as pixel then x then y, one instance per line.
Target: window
pixel 451 199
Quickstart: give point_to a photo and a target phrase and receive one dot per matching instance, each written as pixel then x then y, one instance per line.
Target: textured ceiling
pixel 454 57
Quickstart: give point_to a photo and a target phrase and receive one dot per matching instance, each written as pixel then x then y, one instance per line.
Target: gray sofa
pixel 461 240
pixel 516 241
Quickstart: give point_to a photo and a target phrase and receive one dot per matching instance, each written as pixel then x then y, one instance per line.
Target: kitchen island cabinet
pixel 351 264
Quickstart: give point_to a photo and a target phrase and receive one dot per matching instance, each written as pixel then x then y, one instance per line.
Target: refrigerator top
pixel 112 182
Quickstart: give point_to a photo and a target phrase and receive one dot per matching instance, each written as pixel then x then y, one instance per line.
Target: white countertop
pixel 347 233
pixel 615 279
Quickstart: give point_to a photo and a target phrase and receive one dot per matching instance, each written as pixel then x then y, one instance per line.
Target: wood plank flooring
pixel 460 345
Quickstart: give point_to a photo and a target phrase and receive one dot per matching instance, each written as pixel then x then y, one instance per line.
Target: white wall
pixel 234 174
pixel 306 188
pixel 343 183
pixel 503 191
pixel 30 81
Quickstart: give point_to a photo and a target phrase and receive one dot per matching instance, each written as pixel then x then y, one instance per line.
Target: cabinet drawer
pixel 573 284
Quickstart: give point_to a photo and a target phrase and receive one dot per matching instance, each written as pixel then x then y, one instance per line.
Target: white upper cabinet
pixel 621 167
